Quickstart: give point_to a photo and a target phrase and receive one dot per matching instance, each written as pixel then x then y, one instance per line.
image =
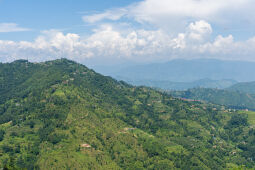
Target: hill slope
pixel 246 87
pixel 169 85
pixel 233 99
pixel 62 115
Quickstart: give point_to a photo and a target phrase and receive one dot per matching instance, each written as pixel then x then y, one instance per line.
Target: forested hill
pixel 168 85
pixel 246 87
pixel 61 115
pixel 227 97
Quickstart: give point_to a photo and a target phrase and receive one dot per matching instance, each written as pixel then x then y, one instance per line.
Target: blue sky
pixel 41 15
pixel 114 31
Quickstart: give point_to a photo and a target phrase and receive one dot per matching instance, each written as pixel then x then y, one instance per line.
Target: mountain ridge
pixel 169 85
pixel 245 87
pixel 229 98
pixel 181 70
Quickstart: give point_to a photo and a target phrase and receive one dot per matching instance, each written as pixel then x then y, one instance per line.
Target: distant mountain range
pixel 184 71
pixel 169 85
pixel 214 81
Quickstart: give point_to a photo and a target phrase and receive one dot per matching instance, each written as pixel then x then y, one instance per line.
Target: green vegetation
pixel 251 116
pixel 62 115
pixel 169 85
pixel 233 99
pixel 248 87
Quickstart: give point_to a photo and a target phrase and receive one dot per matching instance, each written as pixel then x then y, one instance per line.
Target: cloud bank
pixel 138 45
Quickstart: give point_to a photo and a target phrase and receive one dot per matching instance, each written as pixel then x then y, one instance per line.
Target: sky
pixel 116 31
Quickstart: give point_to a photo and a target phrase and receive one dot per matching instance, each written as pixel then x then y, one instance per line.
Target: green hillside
pixel 169 85
pixel 62 115
pixel 233 99
pixel 248 87
pixel 251 116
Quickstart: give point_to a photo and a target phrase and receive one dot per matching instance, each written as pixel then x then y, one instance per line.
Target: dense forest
pixel 61 115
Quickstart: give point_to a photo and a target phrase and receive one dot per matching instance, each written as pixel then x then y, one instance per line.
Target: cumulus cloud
pixel 182 29
pixel 11 27
pixel 199 31
pixel 138 44
pixel 104 42
pixel 49 45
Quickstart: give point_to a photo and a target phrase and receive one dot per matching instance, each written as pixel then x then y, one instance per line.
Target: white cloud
pixel 107 43
pixel 110 14
pixel 185 8
pixel 180 42
pixel 222 46
pixel 174 15
pixel 11 27
pixel 199 30
pixel 183 28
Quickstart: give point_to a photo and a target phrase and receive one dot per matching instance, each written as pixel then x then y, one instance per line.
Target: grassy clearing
pixel 251 116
